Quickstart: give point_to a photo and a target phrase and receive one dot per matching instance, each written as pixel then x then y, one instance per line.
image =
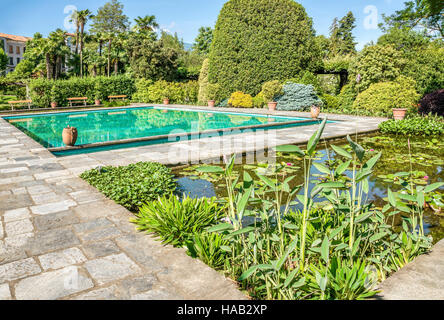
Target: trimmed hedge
pixel 297 97
pixel 44 91
pixel 256 41
pixel 381 98
pixel 177 92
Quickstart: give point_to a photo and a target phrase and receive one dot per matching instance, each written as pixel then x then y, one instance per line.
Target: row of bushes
pixel 289 97
pixel 149 91
pixel 44 91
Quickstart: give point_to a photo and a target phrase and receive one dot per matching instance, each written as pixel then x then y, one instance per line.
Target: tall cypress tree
pixel 341 36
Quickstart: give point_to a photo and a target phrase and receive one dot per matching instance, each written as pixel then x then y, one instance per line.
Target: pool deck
pixel 62 239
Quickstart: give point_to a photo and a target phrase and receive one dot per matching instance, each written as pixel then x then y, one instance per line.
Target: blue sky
pixel 25 17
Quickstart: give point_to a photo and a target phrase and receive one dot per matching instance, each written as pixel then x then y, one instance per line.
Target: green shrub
pixel 203 83
pixel 176 221
pixel 347 96
pixel 381 98
pixel 207 248
pixel 377 63
pixel 331 102
pixel 240 100
pixel 414 126
pixel 132 186
pixel 177 92
pixel 297 97
pixel 259 101
pixel 271 90
pixel 256 41
pixel 40 91
pixel 44 91
pixel 142 90
pixel 213 92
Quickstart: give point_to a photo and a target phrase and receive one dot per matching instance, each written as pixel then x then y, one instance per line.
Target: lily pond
pixel 425 160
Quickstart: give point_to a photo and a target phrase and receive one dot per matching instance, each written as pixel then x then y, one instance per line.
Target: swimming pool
pixel 115 126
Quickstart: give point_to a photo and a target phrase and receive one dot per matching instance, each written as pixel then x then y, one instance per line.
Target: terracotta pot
pixel 69 136
pixel 315 111
pixel 97 102
pixel 272 106
pixel 53 104
pixel 211 103
pixel 399 113
pixel 166 101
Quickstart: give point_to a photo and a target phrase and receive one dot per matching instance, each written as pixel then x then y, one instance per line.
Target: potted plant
pixel 97 99
pixel 166 95
pixel 399 113
pixel 315 110
pixel 53 98
pixel 213 93
pixel 270 90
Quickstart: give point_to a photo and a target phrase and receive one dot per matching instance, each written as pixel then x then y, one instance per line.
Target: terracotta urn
pixel 315 111
pixel 69 136
pixel 211 103
pixel 166 101
pixel 272 106
pixel 53 104
pixel 399 113
pixel 97 102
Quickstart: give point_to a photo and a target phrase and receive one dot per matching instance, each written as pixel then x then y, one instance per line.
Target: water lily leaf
pixel 210 169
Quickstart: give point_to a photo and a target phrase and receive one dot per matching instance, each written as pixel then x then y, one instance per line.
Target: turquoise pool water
pixel 130 123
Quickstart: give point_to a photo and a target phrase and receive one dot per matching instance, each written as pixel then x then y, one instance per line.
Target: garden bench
pixel 122 97
pixel 78 99
pixel 20 102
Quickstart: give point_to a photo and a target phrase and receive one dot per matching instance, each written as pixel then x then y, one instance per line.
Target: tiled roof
pixel 14 38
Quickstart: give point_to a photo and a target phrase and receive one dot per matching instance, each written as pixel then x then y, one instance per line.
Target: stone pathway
pixel 61 239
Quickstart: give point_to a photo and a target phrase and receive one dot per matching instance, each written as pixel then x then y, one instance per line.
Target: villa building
pixel 14 47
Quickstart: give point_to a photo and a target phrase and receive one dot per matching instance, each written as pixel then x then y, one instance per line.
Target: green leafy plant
pixel 384 96
pixel 414 126
pixel 133 185
pixel 271 89
pixel 175 221
pixel 337 253
pixel 210 248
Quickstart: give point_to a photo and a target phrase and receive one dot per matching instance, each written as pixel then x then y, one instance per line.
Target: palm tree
pixel 147 23
pixel 76 21
pixel 82 18
pixel 54 49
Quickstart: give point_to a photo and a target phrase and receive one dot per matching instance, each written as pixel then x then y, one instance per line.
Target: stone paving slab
pixel 422 279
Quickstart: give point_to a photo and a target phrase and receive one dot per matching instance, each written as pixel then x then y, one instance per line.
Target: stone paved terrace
pixel 62 239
